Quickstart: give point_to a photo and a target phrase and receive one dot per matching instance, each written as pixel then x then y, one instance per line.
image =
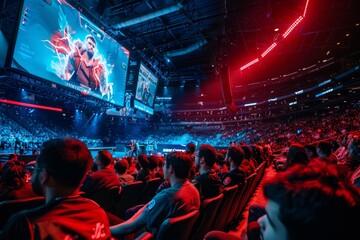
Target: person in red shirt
pixel 60 168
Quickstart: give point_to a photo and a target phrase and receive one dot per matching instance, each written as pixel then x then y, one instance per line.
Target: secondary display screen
pixel 145 90
pixel 57 43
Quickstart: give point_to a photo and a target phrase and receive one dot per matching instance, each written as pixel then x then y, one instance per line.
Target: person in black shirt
pixel 234 157
pixel 207 182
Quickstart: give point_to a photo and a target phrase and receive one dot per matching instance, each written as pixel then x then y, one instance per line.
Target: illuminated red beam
pixel 306 6
pixel 30 105
pixel 268 50
pixel 288 31
pixel 249 64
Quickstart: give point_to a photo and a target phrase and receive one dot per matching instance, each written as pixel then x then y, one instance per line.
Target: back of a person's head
pixel 121 166
pixel 13 174
pixel 144 161
pixel 190 148
pixel 236 154
pixel 315 201
pixel 325 147
pixel 66 159
pixel 129 160
pixel 105 157
pixel 153 161
pixel 311 149
pixel 209 153
pixel 220 158
pixel 180 162
pixel 247 151
pixel 297 155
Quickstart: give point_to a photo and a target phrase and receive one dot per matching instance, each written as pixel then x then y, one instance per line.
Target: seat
pixel 235 204
pixel 225 207
pixel 149 190
pixel 178 228
pixel 247 193
pixel 9 207
pixel 107 198
pixel 204 223
pixel 174 228
pixel 128 197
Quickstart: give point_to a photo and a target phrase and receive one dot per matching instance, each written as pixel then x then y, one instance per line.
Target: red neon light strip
pixel 249 64
pixel 306 6
pixel 268 50
pixel 288 31
pixel 30 105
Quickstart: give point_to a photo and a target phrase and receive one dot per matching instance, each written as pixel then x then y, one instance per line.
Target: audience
pixel 60 169
pixel 179 199
pixel 121 171
pixel 104 177
pixel 234 157
pixel 310 202
pixel 13 183
pixel 207 182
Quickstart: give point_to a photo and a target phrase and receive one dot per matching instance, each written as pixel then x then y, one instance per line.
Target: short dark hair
pixel 307 194
pixel 121 166
pixel 153 161
pixel 181 163
pixel 190 148
pixel 143 160
pixel 297 155
pixel 91 37
pixel 247 151
pixel 66 159
pixel 105 157
pixel 209 153
pixel 13 174
pixel 236 154
pixel 325 147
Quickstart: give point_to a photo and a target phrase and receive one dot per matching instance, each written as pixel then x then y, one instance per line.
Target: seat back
pixel 177 228
pixel 236 203
pixel 7 208
pixel 225 207
pixel 204 223
pixel 247 193
pixel 128 197
pixel 149 190
pixel 107 198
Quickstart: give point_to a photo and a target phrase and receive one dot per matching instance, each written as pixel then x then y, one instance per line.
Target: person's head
pixel 13 174
pixel 90 44
pixel 121 166
pixel 235 155
pixel 103 159
pixel 220 159
pixel 62 163
pixel 354 148
pixel 206 156
pixel 190 148
pixel 296 155
pixel 177 164
pixel 310 202
pixel 311 151
pixel 153 162
pixel 324 149
pixel 247 151
pixel 143 161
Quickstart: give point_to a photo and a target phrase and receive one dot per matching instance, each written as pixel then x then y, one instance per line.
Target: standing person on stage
pixel 135 149
pixel 60 168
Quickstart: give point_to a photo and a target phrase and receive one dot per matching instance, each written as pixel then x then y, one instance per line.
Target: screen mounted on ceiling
pixel 145 89
pixel 55 42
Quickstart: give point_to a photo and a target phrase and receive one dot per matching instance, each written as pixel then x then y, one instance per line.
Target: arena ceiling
pixel 188 41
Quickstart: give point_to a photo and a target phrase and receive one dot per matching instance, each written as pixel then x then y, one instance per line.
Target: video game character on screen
pixel 85 69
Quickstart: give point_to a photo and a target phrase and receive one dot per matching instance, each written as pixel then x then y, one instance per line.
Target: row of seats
pixel 218 213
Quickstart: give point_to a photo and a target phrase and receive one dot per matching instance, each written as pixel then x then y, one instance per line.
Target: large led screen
pixel 57 43
pixel 145 89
